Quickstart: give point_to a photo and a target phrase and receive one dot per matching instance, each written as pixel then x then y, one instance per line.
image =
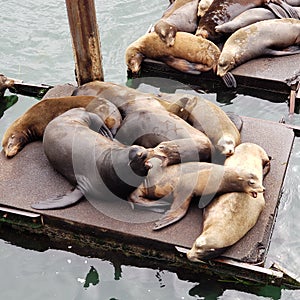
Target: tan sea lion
pixel 189 54
pixel 221 12
pixel 203 6
pixel 230 216
pixel 101 168
pixel 31 125
pixel 250 42
pixel 206 117
pixel 186 180
pixel 180 16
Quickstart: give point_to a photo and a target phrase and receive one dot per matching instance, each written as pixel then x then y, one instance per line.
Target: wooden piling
pixel 85 40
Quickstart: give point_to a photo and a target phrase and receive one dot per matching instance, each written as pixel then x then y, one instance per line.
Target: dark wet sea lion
pixel 200 54
pixel 184 181
pixel 221 12
pixel 31 125
pixel 170 134
pixel 180 16
pixel 99 167
pixel 230 216
pixel 132 104
pixel 251 42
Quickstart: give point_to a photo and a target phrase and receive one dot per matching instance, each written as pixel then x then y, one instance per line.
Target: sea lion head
pixel 133 59
pixel 226 62
pixel 251 183
pixel 204 248
pixel 166 32
pixel 13 142
pixel 226 145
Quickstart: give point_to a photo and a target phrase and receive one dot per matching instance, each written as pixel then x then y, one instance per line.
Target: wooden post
pixel 85 40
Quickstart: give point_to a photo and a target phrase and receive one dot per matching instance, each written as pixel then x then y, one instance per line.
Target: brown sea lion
pixel 189 54
pixel 221 12
pixel 31 125
pixel 99 167
pixel 184 181
pixel 250 42
pixel 180 16
pixel 206 117
pixel 179 140
pixel 230 216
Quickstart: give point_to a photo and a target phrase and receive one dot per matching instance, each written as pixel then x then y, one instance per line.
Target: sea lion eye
pixel 12 136
pixel 251 181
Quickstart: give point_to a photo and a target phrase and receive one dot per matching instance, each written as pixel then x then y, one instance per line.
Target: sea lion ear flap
pixel 266 166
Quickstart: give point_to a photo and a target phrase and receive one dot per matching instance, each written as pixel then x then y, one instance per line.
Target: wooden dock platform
pixel 29 178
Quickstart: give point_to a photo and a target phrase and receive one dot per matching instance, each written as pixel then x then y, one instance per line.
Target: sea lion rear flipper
pixel 173 215
pixel 229 80
pixel 60 201
pixel 277 10
pixel 290 12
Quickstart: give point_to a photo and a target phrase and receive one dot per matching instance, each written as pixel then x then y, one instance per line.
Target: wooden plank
pixel 85 40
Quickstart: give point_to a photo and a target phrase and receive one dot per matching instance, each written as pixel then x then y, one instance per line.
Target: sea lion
pixel 203 6
pixel 184 181
pixel 221 12
pixel 246 18
pixel 251 16
pixel 250 42
pixel 31 125
pixel 180 16
pixel 227 219
pixel 206 117
pixel 189 54
pixel 179 140
pixel 99 167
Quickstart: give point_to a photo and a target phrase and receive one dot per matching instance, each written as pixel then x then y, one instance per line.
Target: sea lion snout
pixel 14 144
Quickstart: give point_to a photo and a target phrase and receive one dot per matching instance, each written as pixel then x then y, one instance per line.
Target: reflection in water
pixel 92 277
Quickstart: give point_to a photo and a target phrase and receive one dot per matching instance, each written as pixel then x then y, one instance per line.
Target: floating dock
pixel 265 75
pixel 29 178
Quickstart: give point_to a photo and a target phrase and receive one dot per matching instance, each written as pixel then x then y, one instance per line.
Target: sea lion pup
pixel 177 139
pixel 227 219
pixel 250 42
pixel 203 6
pixel 206 117
pixel 220 12
pixel 180 16
pixel 100 168
pixel 189 54
pixel 187 180
pixel 31 125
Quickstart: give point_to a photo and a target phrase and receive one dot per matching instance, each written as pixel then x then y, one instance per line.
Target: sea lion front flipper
pixel 235 119
pixel 60 201
pixel 229 80
pixel 173 215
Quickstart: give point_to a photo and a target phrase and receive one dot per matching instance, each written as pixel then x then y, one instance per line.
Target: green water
pixel 36 47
